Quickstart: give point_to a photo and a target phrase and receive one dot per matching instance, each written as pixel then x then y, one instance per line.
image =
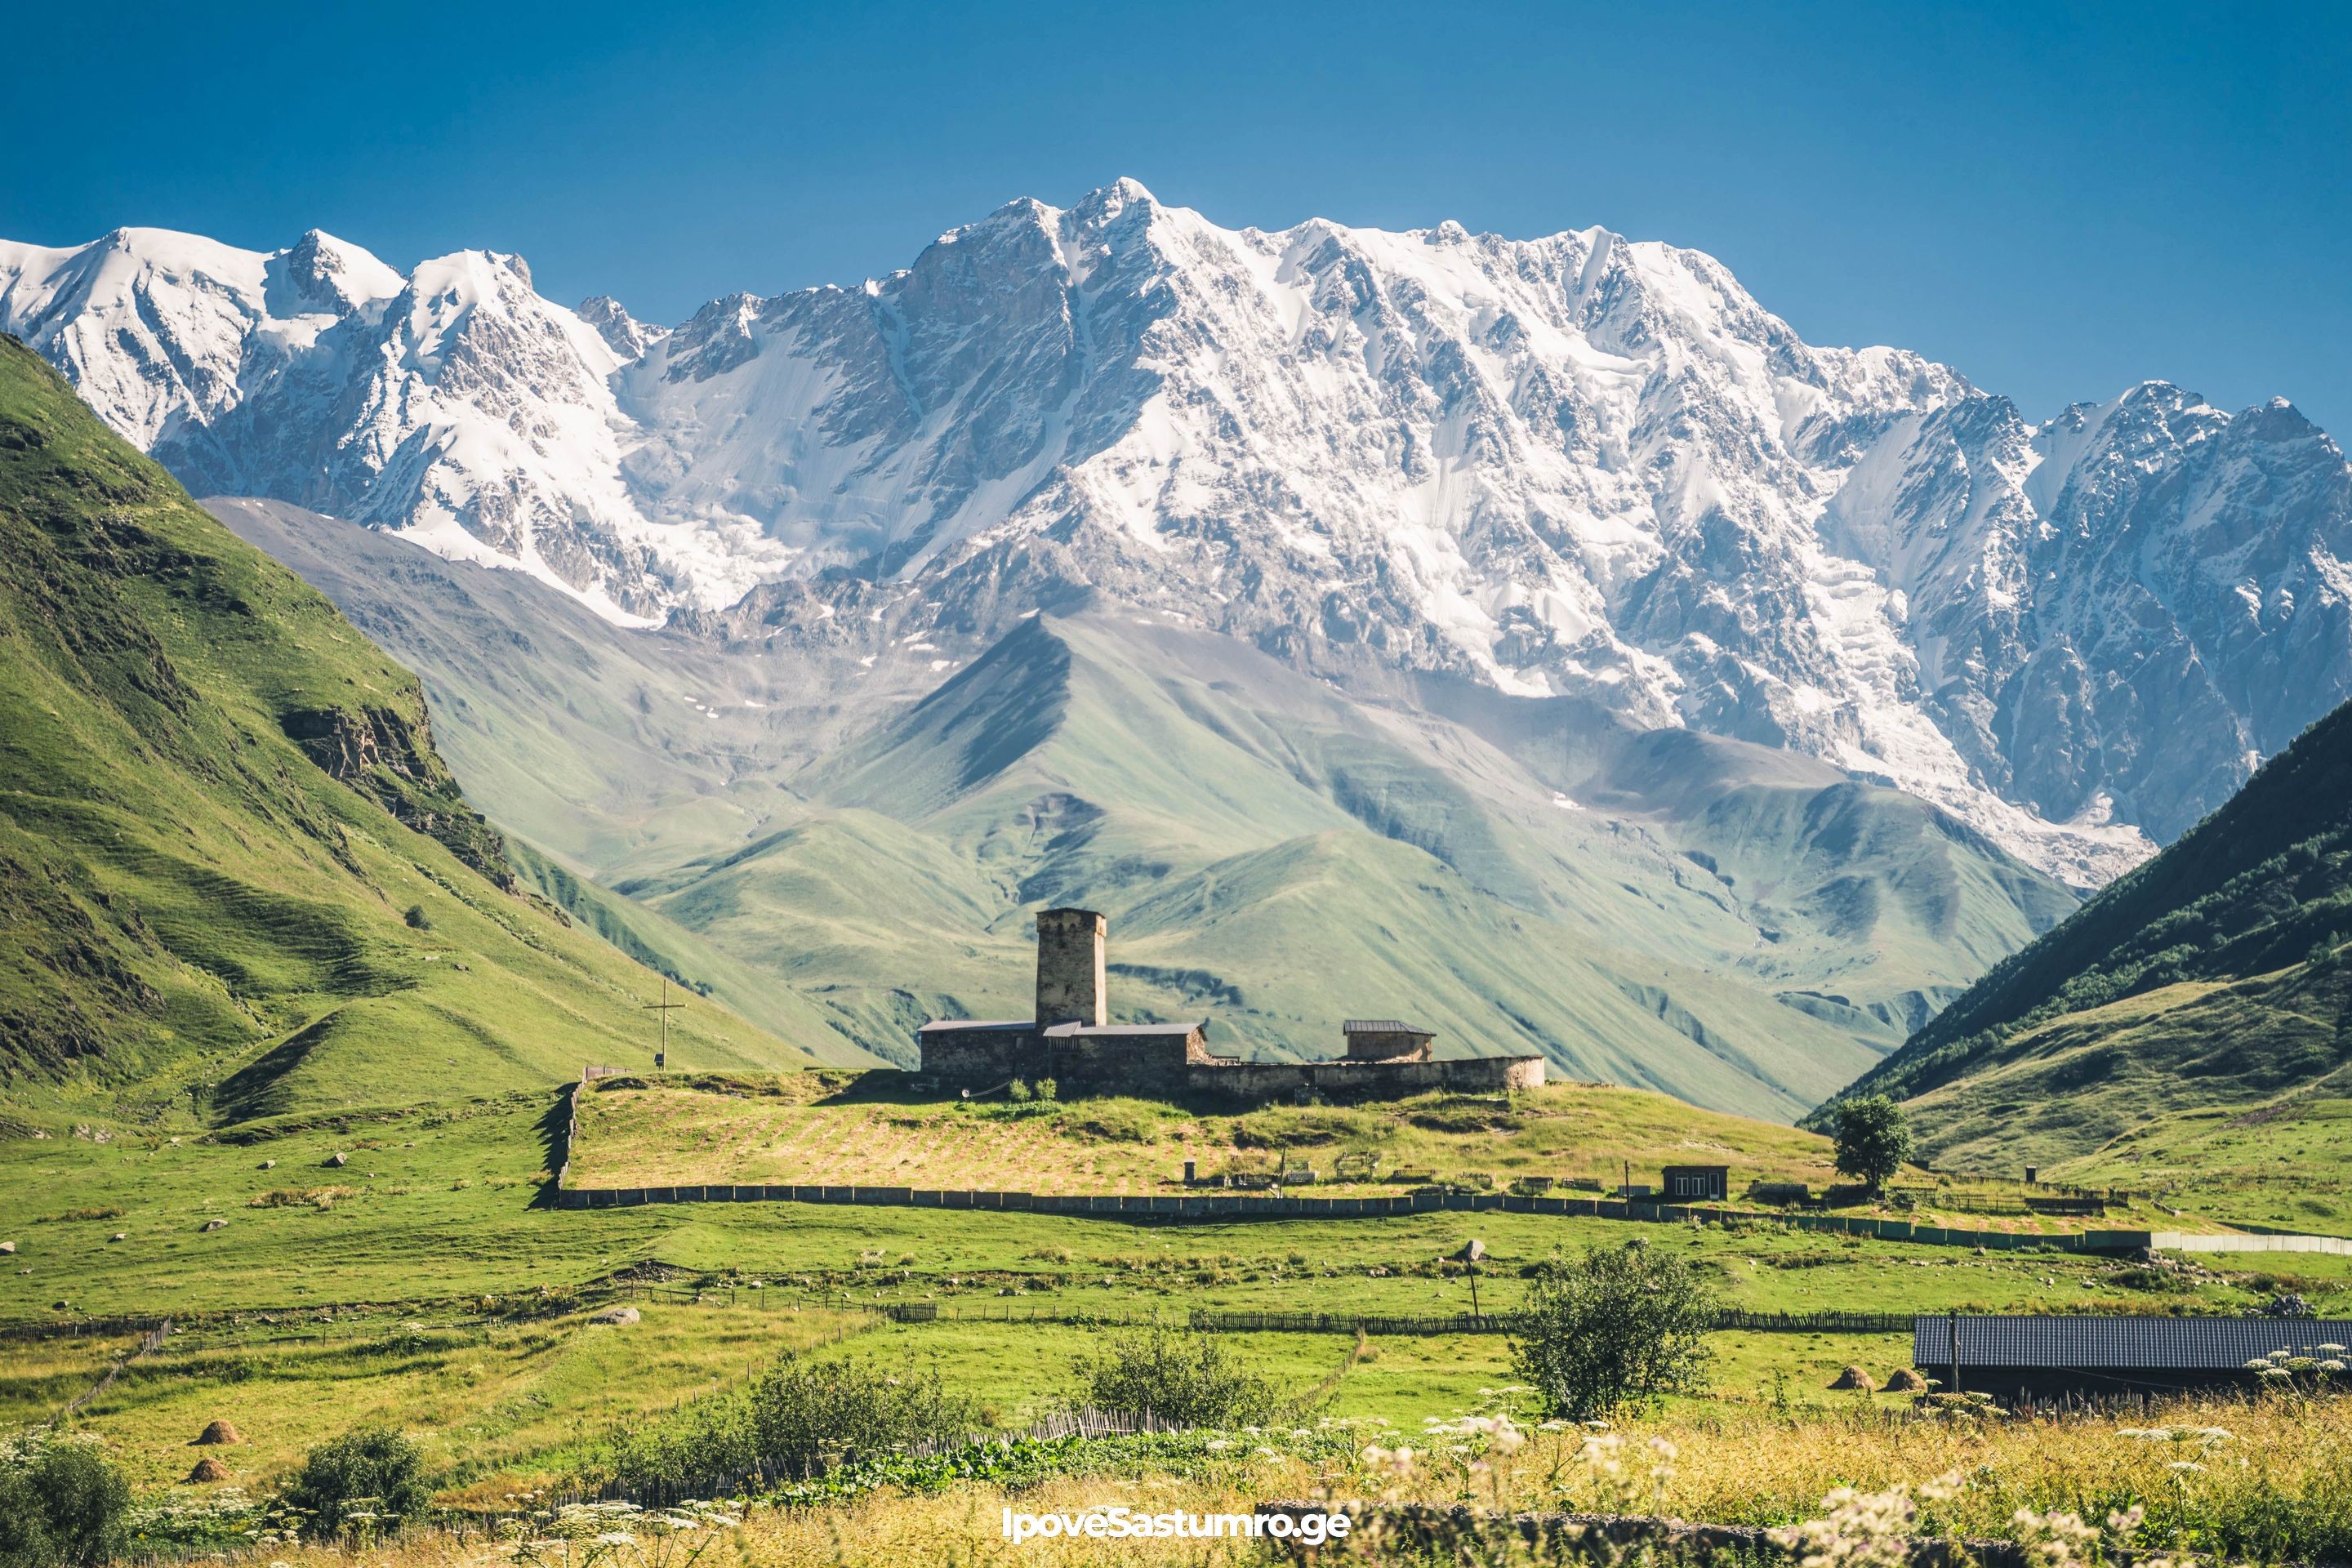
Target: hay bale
pixel 209 1471
pixel 219 1431
pixel 1854 1377
pixel 617 1316
pixel 1902 1380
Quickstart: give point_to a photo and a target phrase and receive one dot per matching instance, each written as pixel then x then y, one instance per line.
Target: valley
pixel 1533 641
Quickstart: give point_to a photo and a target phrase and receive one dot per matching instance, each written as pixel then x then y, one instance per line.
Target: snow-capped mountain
pixel 1574 465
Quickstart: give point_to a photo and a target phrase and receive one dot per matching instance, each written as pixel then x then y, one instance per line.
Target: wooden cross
pixel 665 1007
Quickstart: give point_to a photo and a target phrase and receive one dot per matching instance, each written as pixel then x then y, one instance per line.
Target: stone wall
pixel 1147 1065
pixel 1259 1082
pixel 979 1056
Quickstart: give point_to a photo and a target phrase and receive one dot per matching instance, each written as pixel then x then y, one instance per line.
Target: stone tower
pixel 1070 984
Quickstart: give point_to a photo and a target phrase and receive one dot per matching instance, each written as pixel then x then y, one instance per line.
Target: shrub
pixel 60 1503
pixel 374 1477
pixel 416 918
pixel 1017 1093
pixel 1873 1140
pixel 1184 1377
pixel 800 1410
pixel 1619 1326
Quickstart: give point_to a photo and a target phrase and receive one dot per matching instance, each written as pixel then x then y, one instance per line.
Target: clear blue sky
pixel 2058 200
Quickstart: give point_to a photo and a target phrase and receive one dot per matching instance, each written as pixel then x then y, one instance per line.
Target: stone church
pixel 1072 1040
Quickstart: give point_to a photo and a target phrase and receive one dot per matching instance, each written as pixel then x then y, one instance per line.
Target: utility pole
pixel 1953 1327
pixel 665 1007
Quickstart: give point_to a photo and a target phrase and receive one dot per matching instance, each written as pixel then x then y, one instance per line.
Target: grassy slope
pixel 198 904
pixel 1279 856
pixel 2213 975
pixel 799 1129
pixel 2286 1164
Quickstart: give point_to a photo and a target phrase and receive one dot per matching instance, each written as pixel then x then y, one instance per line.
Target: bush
pixel 60 1503
pixel 795 1415
pixel 1619 1326
pixel 368 1481
pixel 1184 1377
pixel 416 918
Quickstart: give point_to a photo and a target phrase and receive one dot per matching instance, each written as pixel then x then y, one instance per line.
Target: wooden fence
pixel 149 1343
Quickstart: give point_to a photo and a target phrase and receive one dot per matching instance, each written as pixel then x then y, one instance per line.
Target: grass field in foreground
pixel 501 1405
pixel 476 1339
pixel 2264 1481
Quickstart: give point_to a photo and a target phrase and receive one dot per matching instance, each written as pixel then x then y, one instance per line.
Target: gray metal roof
pixel 978 1024
pixel 1379 1027
pixel 2148 1344
pixel 1064 1031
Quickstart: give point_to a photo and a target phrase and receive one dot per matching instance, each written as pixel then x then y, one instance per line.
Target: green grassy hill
pixel 2212 976
pixel 236 876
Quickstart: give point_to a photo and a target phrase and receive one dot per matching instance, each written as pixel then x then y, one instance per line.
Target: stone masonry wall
pixel 1072 987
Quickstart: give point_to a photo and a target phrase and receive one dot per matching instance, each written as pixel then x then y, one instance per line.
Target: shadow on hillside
pixel 555 1148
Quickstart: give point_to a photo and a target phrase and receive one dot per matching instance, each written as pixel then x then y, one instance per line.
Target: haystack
pixel 1854 1377
pixel 1902 1380
pixel 209 1470
pixel 218 1431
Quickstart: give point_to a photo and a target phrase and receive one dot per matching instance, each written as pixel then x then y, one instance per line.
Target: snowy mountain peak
pixel 1578 465
pixel 623 334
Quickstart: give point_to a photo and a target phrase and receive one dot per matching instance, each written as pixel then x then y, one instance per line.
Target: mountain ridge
pixel 1576 465
pixel 238 873
pixel 2212 976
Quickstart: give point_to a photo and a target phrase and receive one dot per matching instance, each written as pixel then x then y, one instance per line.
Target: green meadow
pixel 424 1281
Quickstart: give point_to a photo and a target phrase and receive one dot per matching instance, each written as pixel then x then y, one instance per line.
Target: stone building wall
pixel 1148 1065
pixel 1387 1045
pixel 1071 982
pixel 1260 1082
pixel 978 1055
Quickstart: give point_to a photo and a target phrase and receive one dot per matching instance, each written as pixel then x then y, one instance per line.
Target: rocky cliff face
pixel 1573 466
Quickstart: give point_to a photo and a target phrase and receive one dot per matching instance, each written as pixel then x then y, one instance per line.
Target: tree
pixel 1873 1140
pixel 1184 1377
pixel 374 1476
pixel 60 1503
pixel 1618 1326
